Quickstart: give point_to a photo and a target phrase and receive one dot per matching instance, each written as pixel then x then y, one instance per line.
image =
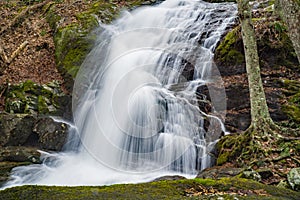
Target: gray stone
pixel 293 178
pixel 219 172
pixel 251 174
pixel 169 178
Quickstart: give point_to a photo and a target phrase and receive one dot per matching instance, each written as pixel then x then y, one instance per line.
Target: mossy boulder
pixel 230 147
pixel 274 44
pixel 218 172
pixel 230 50
pixel 14 156
pixel 32 98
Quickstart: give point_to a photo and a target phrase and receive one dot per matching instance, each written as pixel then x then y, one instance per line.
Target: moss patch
pixel 31 98
pixel 275 47
pixel 232 147
pixel 292 108
pixel 229 52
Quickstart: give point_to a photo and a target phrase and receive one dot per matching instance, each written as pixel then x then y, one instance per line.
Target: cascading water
pixel 135 99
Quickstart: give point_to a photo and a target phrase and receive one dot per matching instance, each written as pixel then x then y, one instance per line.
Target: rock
pixel 251 174
pixel 230 51
pixel 19 154
pixel 219 172
pixel 52 135
pixel 293 178
pixel 169 178
pixel 5 169
pixel 31 98
pixel 15 128
pixel 29 130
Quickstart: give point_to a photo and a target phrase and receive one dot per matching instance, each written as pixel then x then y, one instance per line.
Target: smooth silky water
pixel 136 100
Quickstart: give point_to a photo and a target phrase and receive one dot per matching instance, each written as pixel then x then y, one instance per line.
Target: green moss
pixel 229 52
pixel 293 111
pixel 275 47
pixel 106 11
pixel 239 149
pixel 29 97
pixel 51 17
pixel 223 158
pixel 292 108
pixel 228 188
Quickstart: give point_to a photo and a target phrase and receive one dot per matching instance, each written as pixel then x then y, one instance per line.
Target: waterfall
pixel 136 99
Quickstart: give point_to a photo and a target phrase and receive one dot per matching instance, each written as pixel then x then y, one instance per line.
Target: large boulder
pixel 31 130
pixel 15 129
pixel 51 134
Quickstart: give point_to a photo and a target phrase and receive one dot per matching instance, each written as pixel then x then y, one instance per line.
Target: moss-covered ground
pixel 228 188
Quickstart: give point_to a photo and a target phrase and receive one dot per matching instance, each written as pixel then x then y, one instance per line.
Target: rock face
pixel 31 130
pixel 51 135
pixel 15 129
pixel 169 178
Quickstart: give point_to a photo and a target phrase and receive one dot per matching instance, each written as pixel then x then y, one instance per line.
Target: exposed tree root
pixel 258 144
pixel 276 159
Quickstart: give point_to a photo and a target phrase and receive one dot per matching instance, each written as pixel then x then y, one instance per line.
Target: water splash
pixel 135 99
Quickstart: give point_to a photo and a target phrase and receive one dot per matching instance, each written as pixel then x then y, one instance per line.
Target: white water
pixel 135 103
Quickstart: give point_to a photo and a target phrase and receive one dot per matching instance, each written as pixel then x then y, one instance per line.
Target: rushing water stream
pixel 136 96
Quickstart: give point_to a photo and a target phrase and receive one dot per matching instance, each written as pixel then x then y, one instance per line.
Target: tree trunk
pixel 260 117
pixel 289 11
